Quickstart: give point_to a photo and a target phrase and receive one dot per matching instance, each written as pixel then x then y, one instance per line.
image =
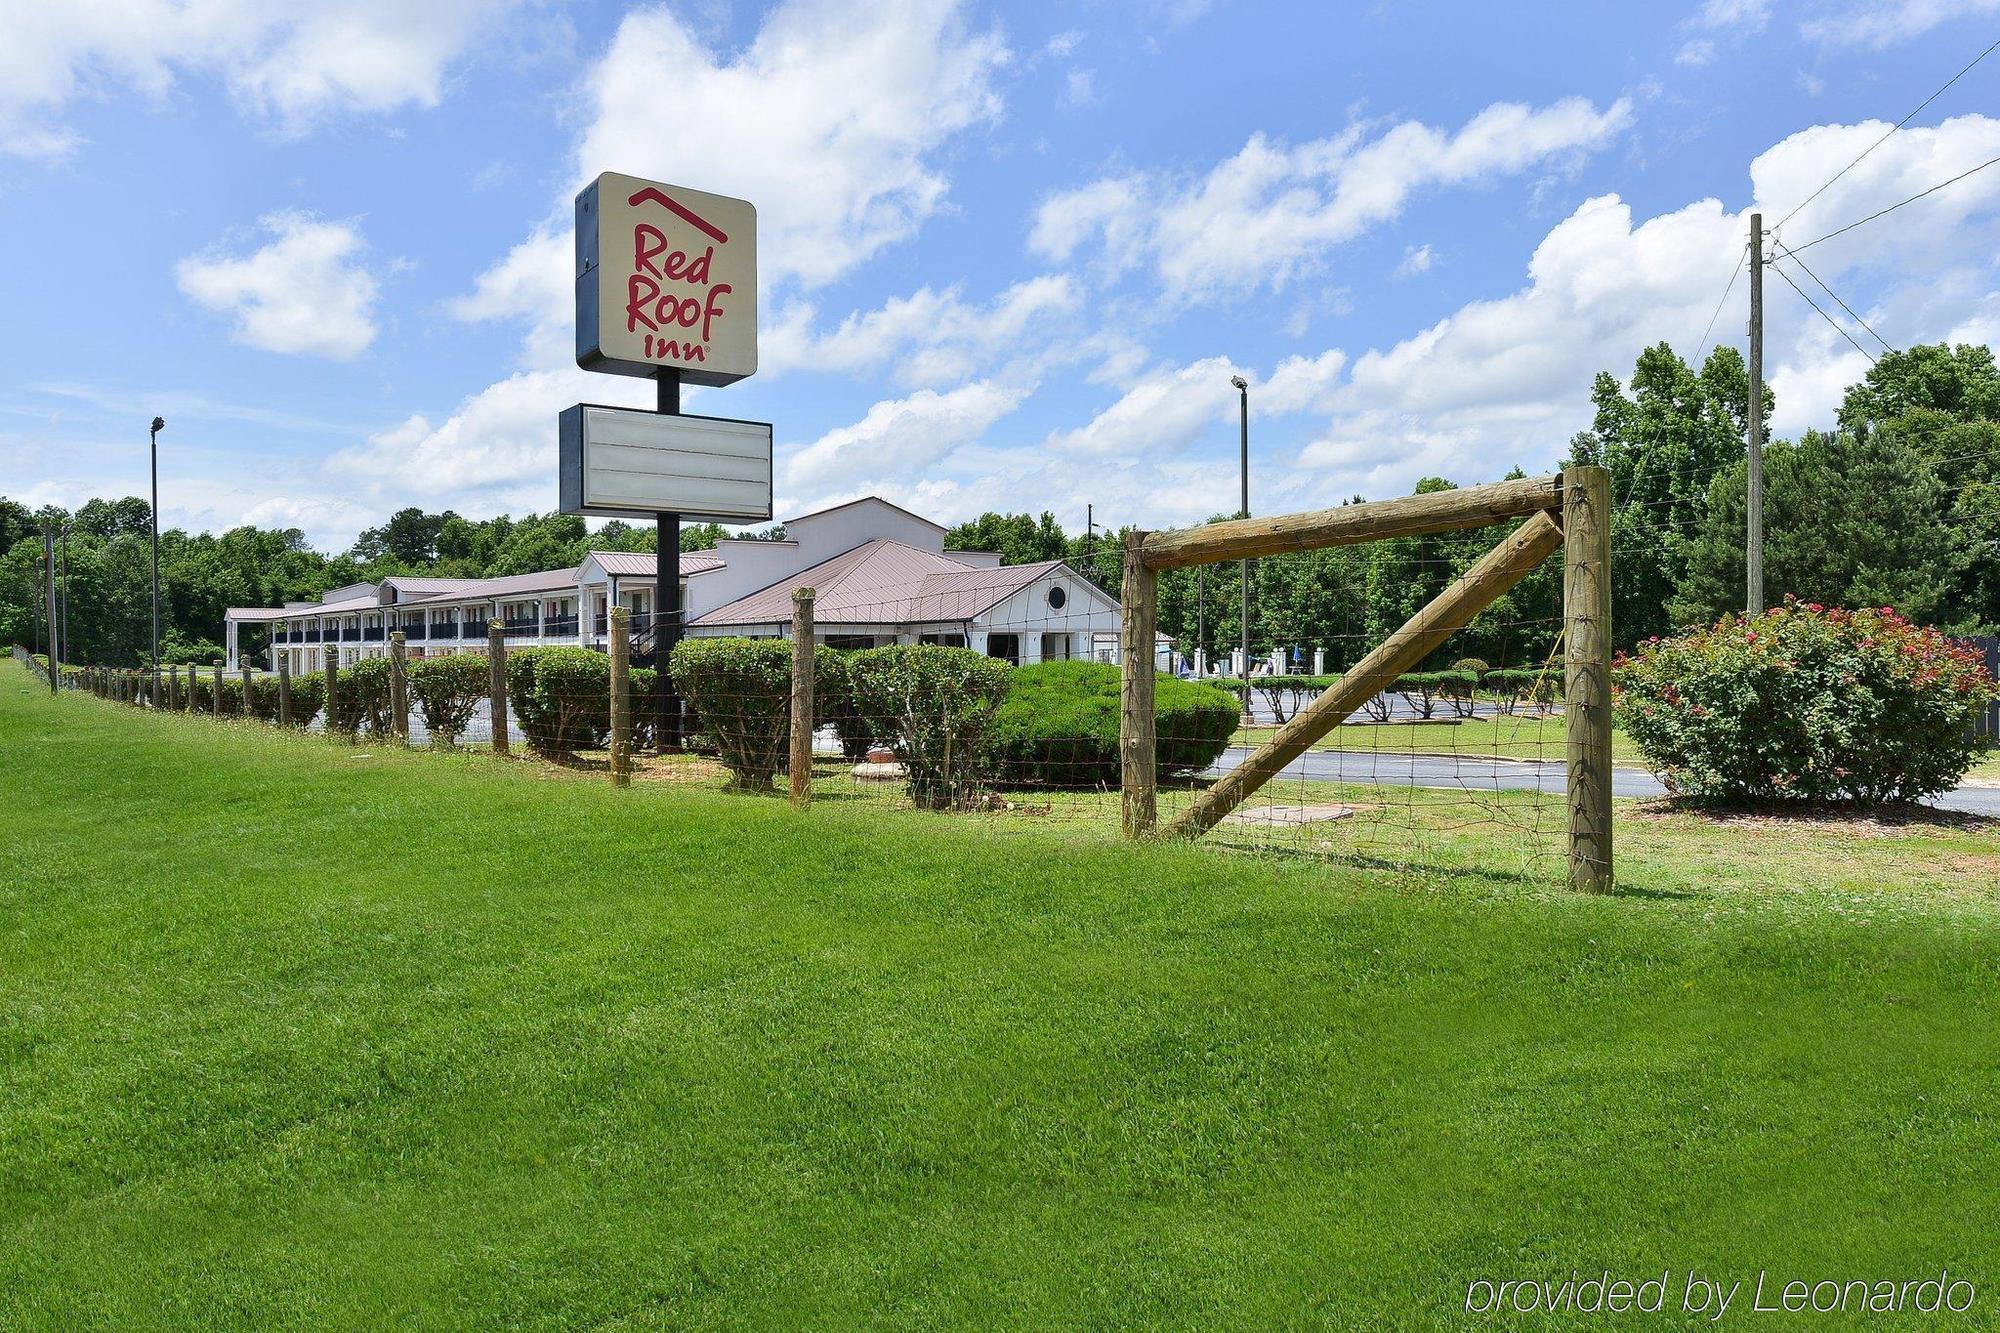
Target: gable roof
pixel 636 564
pixel 866 499
pixel 883 582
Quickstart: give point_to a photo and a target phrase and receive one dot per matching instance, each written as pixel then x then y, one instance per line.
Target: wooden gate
pixel 1568 511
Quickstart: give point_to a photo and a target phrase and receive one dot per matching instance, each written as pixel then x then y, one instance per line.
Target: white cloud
pixel 936 337
pixel 1742 15
pixel 291 63
pixel 304 292
pixel 900 437
pixel 832 116
pixel 835 116
pixel 1271 213
pixel 497 445
pixel 1695 53
pixel 1079 88
pixel 1161 414
pixel 1301 384
pixel 1416 259
pixel 1506 381
pixel 1883 23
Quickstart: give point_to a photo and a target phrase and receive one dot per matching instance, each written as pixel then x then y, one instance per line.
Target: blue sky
pixel 1011 255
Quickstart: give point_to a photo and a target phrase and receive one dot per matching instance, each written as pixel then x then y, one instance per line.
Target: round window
pixel 1058 596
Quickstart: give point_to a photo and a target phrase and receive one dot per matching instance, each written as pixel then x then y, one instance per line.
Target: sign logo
pixel 666 280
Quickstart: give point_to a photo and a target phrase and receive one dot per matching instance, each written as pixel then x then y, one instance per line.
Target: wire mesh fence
pixel 968 702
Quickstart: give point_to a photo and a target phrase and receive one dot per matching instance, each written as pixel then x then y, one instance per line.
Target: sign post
pixel 666 289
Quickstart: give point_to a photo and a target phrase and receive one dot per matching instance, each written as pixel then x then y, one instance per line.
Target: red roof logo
pixel 686 215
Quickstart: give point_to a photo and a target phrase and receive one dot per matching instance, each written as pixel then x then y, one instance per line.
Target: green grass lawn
pixel 299 1033
pixel 1523 735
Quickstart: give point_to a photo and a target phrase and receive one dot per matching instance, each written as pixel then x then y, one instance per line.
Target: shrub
pixel 1477 666
pixel 561 696
pixel 1459 688
pixel 1420 690
pixel 364 689
pixel 264 698
pixel 1805 703
pixel 836 703
pixel 1510 685
pixel 447 692
pixel 935 706
pixel 308 697
pixel 1059 725
pixel 741 691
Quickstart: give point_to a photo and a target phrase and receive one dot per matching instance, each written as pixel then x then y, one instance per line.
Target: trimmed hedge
pixel 1059 725
pixel 561 696
pixel 1803 703
pixel 447 691
pixel 935 706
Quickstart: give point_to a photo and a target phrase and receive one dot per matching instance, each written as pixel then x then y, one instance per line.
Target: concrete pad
pixel 1290 816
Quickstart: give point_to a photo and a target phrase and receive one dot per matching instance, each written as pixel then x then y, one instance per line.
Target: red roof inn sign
pixel 666 279
pixel 666 288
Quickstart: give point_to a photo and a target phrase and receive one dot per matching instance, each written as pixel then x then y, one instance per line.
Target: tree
pixel 1960 382
pixel 1019 538
pixel 1851 518
pixel 1663 440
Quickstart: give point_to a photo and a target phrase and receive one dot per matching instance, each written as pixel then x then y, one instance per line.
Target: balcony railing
pixel 561 625
pixel 413 631
pixel 523 628
pixel 372 633
pixel 445 629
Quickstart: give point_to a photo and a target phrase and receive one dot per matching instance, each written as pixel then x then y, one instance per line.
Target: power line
pixel 1728 288
pixel 1885 138
pixel 1893 207
pixel 1836 296
pixel 1822 314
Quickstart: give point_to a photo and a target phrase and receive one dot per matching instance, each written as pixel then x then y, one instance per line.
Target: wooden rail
pixel 1450 611
pixel 1409 516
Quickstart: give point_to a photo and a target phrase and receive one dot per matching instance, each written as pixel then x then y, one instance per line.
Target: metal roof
pixel 882 582
pixel 635 564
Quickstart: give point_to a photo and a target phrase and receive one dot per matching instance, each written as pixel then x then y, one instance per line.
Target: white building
pixel 880 573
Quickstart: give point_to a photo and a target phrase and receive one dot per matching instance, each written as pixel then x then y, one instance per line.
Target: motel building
pixel 880 573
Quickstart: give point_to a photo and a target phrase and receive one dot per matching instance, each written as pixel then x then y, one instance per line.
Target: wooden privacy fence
pixel 1570 511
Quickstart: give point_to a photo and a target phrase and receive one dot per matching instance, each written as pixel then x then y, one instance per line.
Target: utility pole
pixel 1753 557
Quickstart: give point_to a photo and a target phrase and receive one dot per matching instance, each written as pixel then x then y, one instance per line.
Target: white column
pixel 1319 661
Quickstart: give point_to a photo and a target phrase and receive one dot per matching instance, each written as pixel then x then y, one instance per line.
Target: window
pixel 1058 597
pixel 850 642
pixel 943 640
pixel 1006 647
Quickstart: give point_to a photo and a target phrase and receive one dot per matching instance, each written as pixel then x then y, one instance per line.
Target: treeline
pixel 1895 503
pixel 109 551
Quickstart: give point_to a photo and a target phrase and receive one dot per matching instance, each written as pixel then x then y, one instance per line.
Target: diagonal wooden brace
pixel 1450 611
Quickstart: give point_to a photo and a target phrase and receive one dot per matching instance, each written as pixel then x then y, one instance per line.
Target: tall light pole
pixel 62 639
pixel 159 424
pixel 1243 402
pixel 1753 544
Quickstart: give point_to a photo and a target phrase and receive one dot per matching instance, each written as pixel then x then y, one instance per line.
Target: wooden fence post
pixel 218 689
pixel 1138 746
pixel 332 656
pixel 621 697
pixel 399 688
pixel 248 711
pixel 496 681
pixel 1587 674
pixel 802 696
pixel 284 689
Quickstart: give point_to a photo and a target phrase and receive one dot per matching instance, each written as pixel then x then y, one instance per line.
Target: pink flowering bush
pixel 1804 703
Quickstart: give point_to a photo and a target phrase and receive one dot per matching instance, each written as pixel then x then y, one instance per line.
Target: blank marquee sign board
pixel 621 463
